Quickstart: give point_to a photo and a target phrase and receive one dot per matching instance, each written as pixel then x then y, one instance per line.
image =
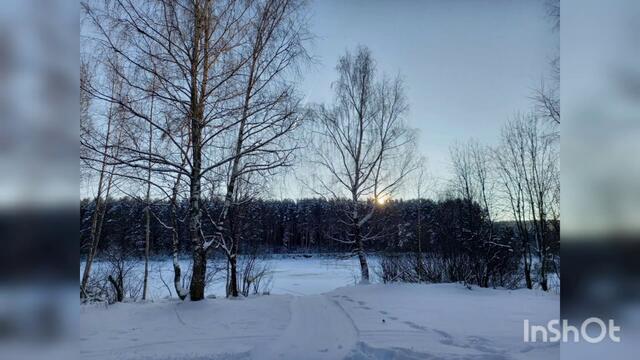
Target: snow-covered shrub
pixel 115 280
pixel 407 267
pixel 256 276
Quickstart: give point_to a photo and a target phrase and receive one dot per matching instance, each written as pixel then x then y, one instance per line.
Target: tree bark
pixel 177 272
pixel 233 280
pixel 118 286
pixel 196 288
pixel 357 239
pixel 146 249
pixel 527 266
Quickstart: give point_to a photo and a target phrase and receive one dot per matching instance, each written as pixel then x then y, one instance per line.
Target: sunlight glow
pixel 381 200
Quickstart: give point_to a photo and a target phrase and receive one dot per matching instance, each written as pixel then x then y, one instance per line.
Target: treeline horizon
pixel 307 225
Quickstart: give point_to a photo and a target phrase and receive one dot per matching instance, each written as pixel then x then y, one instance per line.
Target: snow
pixel 171 329
pixel 289 275
pixel 379 321
pixel 313 276
pixel 446 321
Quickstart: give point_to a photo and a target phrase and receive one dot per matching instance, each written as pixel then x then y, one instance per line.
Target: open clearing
pixel 392 321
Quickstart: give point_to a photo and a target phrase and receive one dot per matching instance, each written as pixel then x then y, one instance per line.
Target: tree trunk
pixel 177 278
pixel 177 272
pixel 233 280
pixel 527 271
pixel 147 234
pixel 196 288
pixel 118 287
pixel 96 233
pixel 146 248
pixel 96 221
pixel 543 275
pixel 544 285
pixel 94 244
pixel 421 272
pixel 364 266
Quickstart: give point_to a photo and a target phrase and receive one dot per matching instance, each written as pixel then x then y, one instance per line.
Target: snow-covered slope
pixel 398 321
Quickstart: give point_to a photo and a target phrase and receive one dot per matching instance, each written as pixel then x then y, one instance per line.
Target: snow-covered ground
pixel 393 321
pixel 295 275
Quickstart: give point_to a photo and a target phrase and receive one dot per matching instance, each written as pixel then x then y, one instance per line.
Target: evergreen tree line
pixel 454 234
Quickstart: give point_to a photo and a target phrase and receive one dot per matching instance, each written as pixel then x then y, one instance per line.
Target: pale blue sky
pixel 468 65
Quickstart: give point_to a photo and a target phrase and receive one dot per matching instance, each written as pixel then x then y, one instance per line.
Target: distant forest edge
pixel 314 226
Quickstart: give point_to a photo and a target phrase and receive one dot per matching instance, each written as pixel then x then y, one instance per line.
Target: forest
pixel 306 226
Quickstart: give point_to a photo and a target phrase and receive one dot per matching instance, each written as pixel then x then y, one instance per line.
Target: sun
pixel 381 200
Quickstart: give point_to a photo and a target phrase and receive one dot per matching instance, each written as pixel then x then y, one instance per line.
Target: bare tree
pixel 217 69
pixel 527 162
pixel 553 12
pixel 474 181
pixel 103 138
pixel 464 180
pixel 362 145
pixel 189 48
pixel 269 110
pixel 473 177
pixel 546 96
pixel 147 209
pixel 421 181
pixel 119 269
pixel 86 116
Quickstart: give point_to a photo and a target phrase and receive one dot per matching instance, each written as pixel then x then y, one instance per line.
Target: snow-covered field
pixel 295 275
pixel 306 318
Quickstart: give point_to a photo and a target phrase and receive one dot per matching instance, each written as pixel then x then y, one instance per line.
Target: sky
pixel 468 65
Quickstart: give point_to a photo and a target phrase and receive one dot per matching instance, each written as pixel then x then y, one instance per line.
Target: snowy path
pixel 319 329
pixel 373 322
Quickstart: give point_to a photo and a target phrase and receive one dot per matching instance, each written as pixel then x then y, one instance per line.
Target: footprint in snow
pixel 443 334
pixel 415 326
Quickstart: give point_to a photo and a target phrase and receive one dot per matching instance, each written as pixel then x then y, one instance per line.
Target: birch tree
pixel 190 49
pixel 220 86
pixel 106 138
pixel 269 111
pixel 362 148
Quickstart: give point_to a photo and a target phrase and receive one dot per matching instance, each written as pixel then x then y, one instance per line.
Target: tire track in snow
pixel 319 329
